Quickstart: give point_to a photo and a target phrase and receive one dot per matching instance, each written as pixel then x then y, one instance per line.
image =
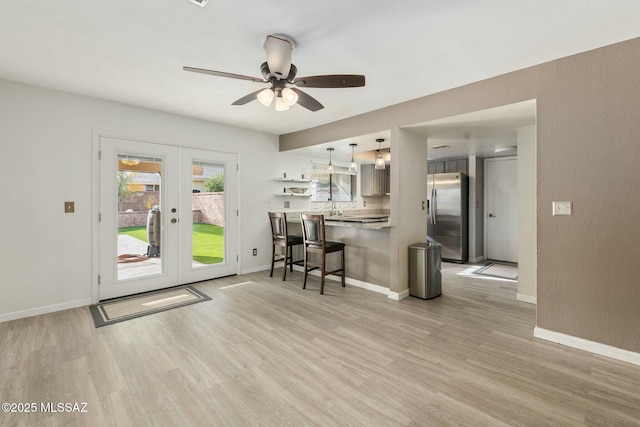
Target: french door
pixel 168 216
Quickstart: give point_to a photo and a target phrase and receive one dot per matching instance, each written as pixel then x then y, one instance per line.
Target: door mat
pixel 503 271
pixel 127 308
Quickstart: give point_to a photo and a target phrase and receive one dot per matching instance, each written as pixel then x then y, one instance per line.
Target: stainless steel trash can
pixel 425 277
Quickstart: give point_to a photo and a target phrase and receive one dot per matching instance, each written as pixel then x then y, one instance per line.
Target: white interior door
pixel 501 209
pixel 154 234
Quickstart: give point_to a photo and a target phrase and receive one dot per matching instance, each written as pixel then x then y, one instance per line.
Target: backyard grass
pixel 208 241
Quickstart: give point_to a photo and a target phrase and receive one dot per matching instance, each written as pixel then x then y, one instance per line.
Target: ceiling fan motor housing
pixel 279 49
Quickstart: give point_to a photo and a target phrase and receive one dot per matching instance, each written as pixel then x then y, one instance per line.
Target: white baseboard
pixel 255 269
pixel 6 317
pixel 398 296
pixel 586 345
pixel 527 298
pixel 353 282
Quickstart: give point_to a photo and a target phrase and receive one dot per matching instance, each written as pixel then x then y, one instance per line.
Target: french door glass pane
pixel 208 207
pixel 139 182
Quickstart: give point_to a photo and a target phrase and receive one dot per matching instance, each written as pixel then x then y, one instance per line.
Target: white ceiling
pixel 134 51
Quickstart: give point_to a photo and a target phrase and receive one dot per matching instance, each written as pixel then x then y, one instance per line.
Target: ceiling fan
pixel 280 73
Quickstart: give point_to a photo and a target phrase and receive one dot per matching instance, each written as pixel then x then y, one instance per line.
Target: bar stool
pixel 315 242
pixel 280 237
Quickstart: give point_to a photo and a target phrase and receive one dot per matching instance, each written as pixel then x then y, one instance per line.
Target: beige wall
pixel 587 152
pixel 476 209
pixel 527 247
pixel 408 190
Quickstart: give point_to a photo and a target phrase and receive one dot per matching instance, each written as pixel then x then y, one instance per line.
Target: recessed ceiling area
pixel 486 133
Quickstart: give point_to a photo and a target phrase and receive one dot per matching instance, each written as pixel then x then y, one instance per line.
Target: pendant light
pixel 353 167
pixel 330 166
pixel 379 159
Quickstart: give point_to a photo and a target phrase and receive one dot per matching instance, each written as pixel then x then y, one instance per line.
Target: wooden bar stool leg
pixel 273 256
pixel 304 283
pixel 343 272
pixel 286 259
pixel 324 258
pixel 290 259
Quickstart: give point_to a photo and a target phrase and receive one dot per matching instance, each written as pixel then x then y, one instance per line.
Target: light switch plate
pixel 69 207
pixel 562 208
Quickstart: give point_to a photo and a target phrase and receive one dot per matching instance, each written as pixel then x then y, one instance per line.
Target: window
pixel 338 187
pixel 151 187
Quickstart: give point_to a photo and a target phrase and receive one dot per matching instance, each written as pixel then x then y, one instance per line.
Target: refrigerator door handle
pixel 434 206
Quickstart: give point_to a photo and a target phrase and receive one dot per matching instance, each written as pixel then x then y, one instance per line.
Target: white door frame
pixel 95 200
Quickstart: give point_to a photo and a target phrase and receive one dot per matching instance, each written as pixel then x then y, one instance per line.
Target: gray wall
pixel 587 152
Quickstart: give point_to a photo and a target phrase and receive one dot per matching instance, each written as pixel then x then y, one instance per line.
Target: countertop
pixel 371 221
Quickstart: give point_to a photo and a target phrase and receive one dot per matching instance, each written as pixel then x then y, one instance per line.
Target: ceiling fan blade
pixel 331 81
pixel 223 74
pixel 307 101
pixel 247 98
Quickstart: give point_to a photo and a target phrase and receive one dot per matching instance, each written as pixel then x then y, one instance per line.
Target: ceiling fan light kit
pixel 281 104
pixel 289 96
pixel 281 74
pixel 266 97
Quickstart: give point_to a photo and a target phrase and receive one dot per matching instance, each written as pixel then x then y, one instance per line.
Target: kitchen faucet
pixel 332 207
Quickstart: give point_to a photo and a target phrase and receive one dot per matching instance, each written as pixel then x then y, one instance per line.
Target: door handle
pixel 173 220
pixel 492 215
pixel 434 207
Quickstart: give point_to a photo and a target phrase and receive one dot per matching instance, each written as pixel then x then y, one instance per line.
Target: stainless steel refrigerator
pixel 448 203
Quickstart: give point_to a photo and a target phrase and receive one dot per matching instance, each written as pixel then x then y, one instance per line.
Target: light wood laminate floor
pixel 266 352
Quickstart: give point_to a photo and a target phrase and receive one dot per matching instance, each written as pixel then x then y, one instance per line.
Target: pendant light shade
pixel 330 166
pixel 281 104
pixel 289 96
pixel 379 159
pixel 353 166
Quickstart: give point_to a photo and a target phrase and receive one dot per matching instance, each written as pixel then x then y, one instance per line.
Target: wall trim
pixel 255 269
pixel 526 298
pixel 586 345
pixel 353 282
pixel 6 317
pixel 477 259
pixel 398 296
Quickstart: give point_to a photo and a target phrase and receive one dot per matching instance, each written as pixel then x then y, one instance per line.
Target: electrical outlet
pixel 286 204
pixel 364 203
pixel 255 251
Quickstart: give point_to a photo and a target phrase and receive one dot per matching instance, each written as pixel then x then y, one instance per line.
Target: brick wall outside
pixel 141 201
pixel 208 208
pixel 211 205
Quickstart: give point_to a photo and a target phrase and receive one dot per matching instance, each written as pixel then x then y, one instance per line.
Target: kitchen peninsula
pixel 366 235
